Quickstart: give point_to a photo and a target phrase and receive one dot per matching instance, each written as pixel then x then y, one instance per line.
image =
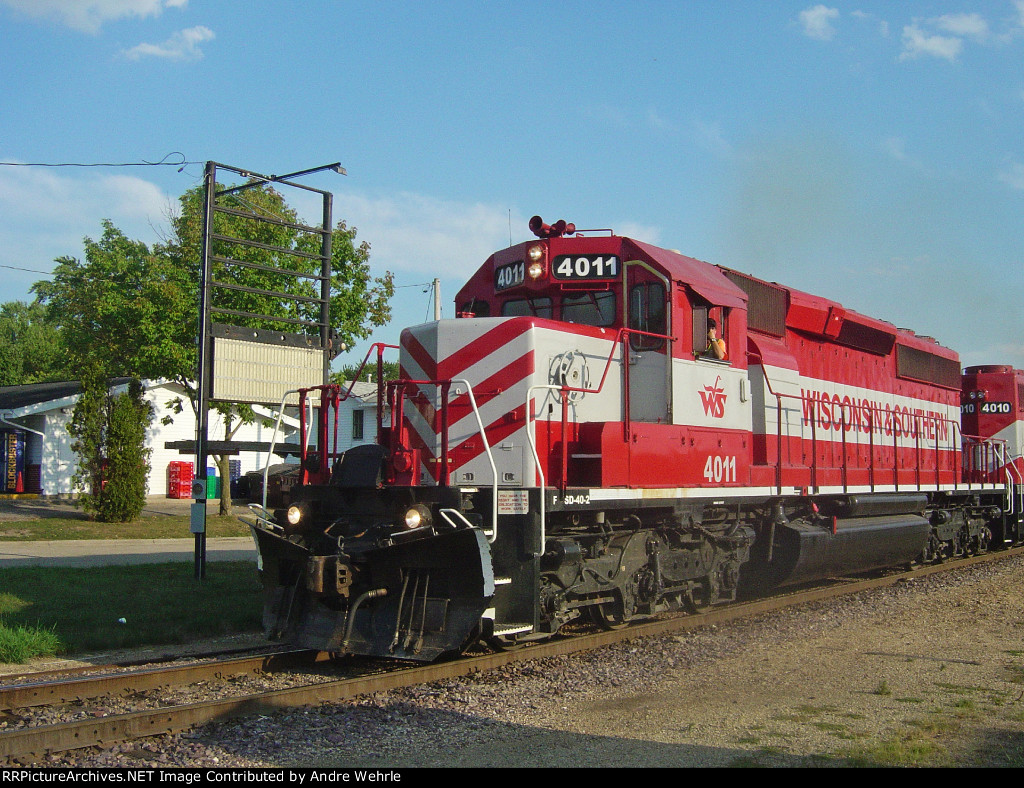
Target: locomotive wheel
pixel 607 616
pixel 505 643
pixel 697 599
pixel 701 595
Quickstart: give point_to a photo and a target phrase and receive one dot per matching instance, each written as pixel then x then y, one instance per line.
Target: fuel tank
pixel 805 551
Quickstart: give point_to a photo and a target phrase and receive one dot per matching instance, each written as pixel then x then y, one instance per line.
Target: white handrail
pixel 1011 471
pixel 273 442
pixel 536 458
pixel 490 458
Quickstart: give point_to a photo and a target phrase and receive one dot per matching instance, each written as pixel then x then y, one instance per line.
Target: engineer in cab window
pixel 716 345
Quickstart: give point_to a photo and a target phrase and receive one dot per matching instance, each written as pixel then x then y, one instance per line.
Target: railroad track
pixel 28 745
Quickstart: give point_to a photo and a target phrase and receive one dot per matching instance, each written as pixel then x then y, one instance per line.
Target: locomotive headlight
pixel 296 517
pixel 417 516
pixel 535 257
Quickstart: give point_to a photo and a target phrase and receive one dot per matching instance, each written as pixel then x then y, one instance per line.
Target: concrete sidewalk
pixel 119 552
pixel 34 507
pixel 113 552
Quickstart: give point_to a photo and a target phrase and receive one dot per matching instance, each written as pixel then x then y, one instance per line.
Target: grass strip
pixel 48 529
pixel 54 610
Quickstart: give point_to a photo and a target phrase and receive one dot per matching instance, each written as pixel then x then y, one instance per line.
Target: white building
pixel 39 415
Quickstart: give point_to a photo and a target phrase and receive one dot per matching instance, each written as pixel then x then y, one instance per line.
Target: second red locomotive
pixel 612 429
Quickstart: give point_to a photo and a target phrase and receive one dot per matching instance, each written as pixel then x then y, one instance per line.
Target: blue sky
pixel 870 152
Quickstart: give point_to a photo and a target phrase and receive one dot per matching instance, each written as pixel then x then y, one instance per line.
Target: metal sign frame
pixel 284 359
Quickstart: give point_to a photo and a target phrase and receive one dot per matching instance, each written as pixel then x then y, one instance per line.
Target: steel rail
pixel 21 745
pixel 52 691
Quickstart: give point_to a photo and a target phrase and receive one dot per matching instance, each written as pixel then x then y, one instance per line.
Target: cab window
pixel 647 313
pixel 589 309
pixel 704 317
pixel 476 308
pixel 527 307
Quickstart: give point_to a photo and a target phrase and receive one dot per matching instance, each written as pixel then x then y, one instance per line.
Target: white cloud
pixel 426 236
pixel 423 236
pixel 945 36
pixel 817 22
pixel 711 137
pixel 895 147
pixel 89 15
pixel 883 26
pixel 967 25
pixel 1013 176
pixel 917 43
pixel 658 122
pixel 45 214
pixel 183 45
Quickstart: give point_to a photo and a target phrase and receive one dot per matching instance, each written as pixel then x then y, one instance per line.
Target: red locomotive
pixel 609 429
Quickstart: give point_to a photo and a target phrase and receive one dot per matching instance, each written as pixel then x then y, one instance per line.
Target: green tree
pixel 358 301
pixel 133 311
pixel 392 371
pixel 31 347
pixel 127 458
pixel 124 309
pixel 109 438
pixel 86 428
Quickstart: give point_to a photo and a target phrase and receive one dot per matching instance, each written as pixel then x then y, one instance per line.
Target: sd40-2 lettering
pixel 572 500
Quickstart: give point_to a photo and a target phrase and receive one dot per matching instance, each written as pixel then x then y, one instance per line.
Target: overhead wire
pixel 179 161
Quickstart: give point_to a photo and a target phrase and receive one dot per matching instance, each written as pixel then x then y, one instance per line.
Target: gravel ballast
pixel 926 673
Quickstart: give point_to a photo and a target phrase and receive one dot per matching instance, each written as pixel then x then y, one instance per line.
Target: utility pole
pixel 437 299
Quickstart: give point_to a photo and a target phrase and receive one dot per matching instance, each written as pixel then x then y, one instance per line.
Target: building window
pixel 357 425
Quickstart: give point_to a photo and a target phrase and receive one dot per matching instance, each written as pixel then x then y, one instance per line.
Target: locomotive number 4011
pixel 586 266
pixel 720 469
pixel 511 275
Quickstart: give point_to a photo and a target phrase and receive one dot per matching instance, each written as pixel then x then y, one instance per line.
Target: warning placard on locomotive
pixel 513 502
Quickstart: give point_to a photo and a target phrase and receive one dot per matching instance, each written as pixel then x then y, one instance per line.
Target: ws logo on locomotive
pixel 547 458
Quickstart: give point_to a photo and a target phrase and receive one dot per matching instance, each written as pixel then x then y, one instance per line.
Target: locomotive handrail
pixel 620 339
pixel 536 459
pixel 995 447
pixel 273 442
pixel 263 519
pixel 959 473
pixel 490 459
pixel 1011 471
pixel 340 393
pixel 396 408
pixel 1010 492
pixel 380 347
pixel 457 514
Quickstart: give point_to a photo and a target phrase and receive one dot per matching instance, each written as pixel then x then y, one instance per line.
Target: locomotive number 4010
pixel 986 407
pixel 720 469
